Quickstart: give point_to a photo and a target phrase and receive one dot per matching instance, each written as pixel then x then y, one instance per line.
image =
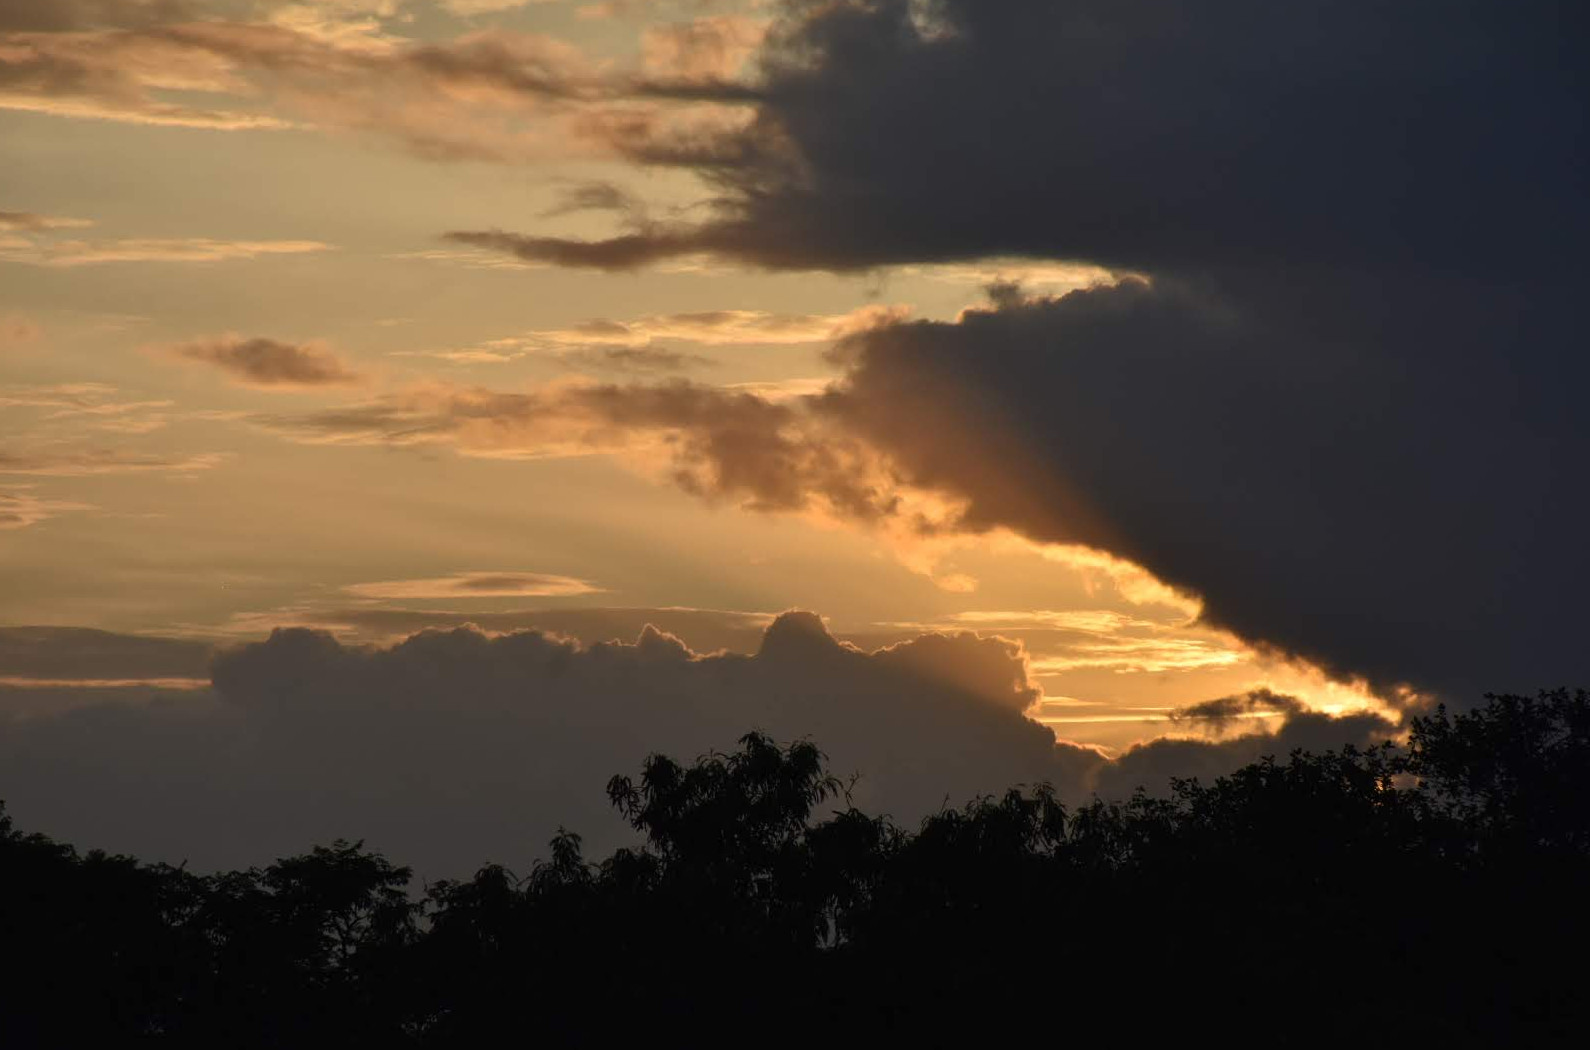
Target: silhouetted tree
pixel 1428 893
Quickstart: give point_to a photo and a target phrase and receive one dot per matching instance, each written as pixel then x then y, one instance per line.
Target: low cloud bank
pixel 454 747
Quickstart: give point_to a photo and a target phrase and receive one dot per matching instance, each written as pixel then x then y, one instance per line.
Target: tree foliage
pixel 1423 893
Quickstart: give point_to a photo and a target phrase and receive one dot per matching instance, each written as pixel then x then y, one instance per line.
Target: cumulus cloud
pixel 269 364
pixel 703 630
pixel 454 746
pixel 477 585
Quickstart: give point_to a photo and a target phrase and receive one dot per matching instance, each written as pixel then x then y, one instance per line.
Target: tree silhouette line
pixel 1432 892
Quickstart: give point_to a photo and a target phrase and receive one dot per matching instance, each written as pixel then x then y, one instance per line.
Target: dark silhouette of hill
pixel 1432 894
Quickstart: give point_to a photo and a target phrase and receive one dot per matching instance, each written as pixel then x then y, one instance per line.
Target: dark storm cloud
pixel 1383 482
pixel 1157 134
pixel 269 363
pixel 1347 411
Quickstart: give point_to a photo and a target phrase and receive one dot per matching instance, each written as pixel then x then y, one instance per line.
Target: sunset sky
pixel 1218 352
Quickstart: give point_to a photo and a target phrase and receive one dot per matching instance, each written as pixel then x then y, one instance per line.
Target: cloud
pixel 1270 461
pixel 1140 138
pixel 269 364
pixel 703 630
pixel 72 399
pixel 593 196
pixel 91 462
pixel 30 222
pixel 719 328
pixel 714 442
pixel 483 7
pixel 490 94
pixel 632 359
pixel 78 653
pixel 18 510
pixel 715 48
pixel 1338 402
pixel 1220 714
pixel 477 585
pixel 453 747
pixel 609 345
pixel 51 15
pixel 1215 431
pixel 1154 765
pixel 67 254
pixel 68 408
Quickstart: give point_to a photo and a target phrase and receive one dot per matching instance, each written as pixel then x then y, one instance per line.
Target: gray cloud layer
pixel 454 747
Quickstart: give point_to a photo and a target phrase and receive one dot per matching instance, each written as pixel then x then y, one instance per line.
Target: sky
pixel 1116 390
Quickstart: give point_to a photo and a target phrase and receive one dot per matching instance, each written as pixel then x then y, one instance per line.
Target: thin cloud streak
pixel 94 462
pixel 477 585
pixel 71 254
